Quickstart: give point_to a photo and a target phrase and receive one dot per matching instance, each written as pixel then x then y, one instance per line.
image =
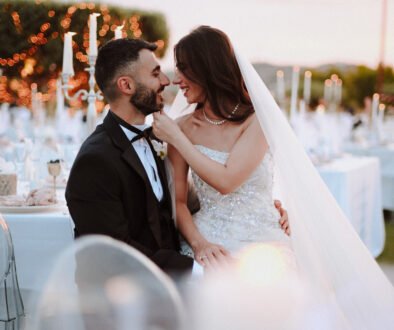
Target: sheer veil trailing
pixel 330 255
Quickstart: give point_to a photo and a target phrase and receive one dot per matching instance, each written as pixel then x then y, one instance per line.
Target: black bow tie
pixel 146 133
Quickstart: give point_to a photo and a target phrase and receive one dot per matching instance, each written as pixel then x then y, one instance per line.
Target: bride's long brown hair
pixel 206 57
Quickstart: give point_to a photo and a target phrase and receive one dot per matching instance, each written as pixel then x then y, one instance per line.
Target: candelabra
pixel 91 96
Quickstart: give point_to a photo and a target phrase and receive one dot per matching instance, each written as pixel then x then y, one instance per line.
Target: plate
pixel 31 209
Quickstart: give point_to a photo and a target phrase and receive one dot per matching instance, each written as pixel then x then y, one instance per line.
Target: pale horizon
pixel 307 33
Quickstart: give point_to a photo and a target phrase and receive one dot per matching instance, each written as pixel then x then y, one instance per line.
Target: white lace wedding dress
pixel 243 217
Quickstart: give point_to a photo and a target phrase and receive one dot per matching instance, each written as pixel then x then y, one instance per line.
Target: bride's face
pixel 193 92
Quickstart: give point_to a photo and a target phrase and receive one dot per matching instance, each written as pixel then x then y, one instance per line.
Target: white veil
pixel 329 253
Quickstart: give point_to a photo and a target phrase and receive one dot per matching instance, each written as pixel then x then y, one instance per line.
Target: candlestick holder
pixel 91 96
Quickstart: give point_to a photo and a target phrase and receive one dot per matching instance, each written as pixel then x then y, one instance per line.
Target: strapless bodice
pixel 246 215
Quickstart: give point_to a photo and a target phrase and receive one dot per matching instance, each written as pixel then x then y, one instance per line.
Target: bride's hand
pixel 211 255
pixel 165 128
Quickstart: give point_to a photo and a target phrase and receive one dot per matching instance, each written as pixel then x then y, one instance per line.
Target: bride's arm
pixel 244 158
pixel 201 247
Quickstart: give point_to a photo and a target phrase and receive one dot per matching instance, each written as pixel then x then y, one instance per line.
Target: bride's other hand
pixel 211 255
pixel 165 128
pixel 284 219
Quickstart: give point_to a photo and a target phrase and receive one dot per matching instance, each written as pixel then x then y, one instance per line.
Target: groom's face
pixel 149 83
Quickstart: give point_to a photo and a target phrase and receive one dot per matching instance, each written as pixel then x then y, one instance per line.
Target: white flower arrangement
pixel 160 148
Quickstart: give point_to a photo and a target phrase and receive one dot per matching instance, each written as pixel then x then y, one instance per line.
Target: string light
pixel 21 88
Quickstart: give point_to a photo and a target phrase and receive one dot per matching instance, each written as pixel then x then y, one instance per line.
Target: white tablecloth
pixel 355 184
pixel 38 240
pixel 386 157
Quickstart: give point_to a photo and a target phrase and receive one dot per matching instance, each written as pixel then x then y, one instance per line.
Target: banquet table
pixel 385 153
pixel 38 240
pixel 355 183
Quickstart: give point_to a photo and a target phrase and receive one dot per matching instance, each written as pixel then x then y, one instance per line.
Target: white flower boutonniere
pixel 160 148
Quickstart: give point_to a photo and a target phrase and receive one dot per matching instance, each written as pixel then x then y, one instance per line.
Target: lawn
pixel 388 253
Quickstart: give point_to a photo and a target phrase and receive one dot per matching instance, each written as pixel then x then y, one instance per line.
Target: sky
pixel 284 32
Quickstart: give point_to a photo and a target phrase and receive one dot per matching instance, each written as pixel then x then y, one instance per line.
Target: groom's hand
pixel 284 220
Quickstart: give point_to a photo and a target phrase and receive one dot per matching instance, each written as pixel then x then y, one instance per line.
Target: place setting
pixel 17 197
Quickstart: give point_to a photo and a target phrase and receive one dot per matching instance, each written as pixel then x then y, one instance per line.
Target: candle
pixel 338 91
pixel 327 91
pixel 307 87
pixel 374 109
pixel 280 86
pixel 68 54
pixel 294 91
pixel 59 98
pixel 302 108
pixel 93 34
pixel 382 107
pixel 118 32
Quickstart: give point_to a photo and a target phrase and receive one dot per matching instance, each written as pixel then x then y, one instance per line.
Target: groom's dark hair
pixel 114 59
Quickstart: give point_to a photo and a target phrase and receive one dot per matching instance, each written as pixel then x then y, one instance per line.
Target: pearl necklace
pixel 218 122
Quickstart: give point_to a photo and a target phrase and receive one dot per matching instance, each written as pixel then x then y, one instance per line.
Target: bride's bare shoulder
pixel 250 121
pixel 182 120
pixel 186 122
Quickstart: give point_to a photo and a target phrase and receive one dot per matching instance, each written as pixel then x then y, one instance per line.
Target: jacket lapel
pixel 130 156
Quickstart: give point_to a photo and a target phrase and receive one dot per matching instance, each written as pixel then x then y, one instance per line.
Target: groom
pixel 118 184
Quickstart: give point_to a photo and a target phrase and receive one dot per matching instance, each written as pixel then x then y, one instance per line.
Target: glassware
pixel 54 169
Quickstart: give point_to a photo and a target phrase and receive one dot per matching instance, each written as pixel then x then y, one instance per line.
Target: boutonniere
pixel 160 148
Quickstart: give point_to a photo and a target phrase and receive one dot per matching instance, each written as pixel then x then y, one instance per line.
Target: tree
pixel 31 39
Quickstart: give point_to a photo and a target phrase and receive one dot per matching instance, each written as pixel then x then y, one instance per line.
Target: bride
pixel 232 141
pixel 226 149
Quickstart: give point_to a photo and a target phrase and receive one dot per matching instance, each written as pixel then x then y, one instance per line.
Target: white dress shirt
pixel 147 159
pixel 145 155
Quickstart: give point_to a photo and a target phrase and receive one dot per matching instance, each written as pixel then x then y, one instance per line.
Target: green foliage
pixel 388 253
pixel 359 82
pixel 364 80
pixel 22 20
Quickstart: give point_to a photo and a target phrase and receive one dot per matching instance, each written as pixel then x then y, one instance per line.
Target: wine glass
pixel 54 169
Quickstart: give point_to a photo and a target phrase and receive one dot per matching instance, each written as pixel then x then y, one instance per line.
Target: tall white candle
pixel 119 32
pixel 294 91
pixel 382 107
pixel 93 34
pixel 68 54
pixel 338 91
pixel 374 109
pixel 327 91
pixel 59 98
pixel 280 86
pixel 307 87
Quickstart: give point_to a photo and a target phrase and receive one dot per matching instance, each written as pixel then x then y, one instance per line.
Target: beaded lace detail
pixel 245 216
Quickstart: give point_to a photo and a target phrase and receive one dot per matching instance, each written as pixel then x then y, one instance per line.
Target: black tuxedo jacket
pixel 108 192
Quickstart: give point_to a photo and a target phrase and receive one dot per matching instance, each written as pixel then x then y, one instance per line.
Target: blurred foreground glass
pixel 100 283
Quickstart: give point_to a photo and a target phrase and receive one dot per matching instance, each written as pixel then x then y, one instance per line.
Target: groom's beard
pixel 145 99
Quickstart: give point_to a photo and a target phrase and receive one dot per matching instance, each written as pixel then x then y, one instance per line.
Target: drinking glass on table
pixel 54 169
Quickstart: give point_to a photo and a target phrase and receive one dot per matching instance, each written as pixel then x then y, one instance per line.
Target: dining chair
pixel 11 304
pixel 100 283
